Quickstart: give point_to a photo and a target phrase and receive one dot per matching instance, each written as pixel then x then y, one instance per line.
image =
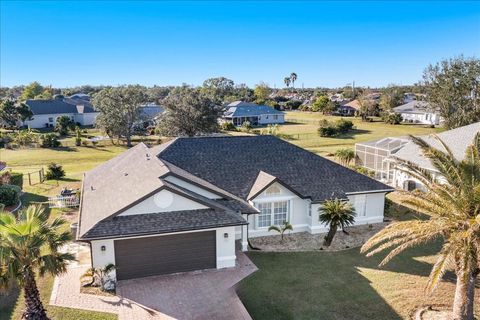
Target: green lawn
pixel 75 161
pixel 340 285
pixel 302 126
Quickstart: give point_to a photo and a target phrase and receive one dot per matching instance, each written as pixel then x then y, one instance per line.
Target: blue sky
pixel 169 43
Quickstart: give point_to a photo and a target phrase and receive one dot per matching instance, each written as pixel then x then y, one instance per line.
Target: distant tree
pixel 119 109
pixel 293 78
pixel 320 104
pixel 367 106
pixel 64 124
pixel 293 104
pixel 32 90
pixel 392 118
pixel 287 81
pixel 241 92
pixel 8 113
pixel 391 97
pixel 262 92
pixel 336 213
pixel 453 87
pixel 11 113
pixel 217 89
pixel 47 94
pixel 157 94
pixel 188 112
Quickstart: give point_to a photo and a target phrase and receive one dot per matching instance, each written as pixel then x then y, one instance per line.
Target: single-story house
pixel 186 204
pixel 348 108
pixel 46 112
pixel 386 156
pixel 420 112
pixel 239 112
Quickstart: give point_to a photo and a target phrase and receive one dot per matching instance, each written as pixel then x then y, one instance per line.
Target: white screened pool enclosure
pixel 375 155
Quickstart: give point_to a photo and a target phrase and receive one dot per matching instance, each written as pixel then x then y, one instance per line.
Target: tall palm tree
pixel 336 213
pixel 293 78
pixel 453 206
pixel 30 243
pixel 287 80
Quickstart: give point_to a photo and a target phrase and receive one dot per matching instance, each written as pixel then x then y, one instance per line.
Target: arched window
pixel 273 191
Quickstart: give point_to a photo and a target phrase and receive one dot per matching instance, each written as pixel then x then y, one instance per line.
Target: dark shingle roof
pixel 234 163
pixel 56 106
pixel 245 109
pixel 164 222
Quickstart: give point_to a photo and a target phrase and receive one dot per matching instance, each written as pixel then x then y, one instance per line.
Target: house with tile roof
pixel 239 112
pixel 187 204
pixel 46 112
pixel 385 156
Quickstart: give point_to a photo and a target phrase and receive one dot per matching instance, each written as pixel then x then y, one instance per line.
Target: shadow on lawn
pixel 326 285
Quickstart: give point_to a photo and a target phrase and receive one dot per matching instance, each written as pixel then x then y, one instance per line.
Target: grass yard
pixel 75 161
pixel 341 285
pixel 302 126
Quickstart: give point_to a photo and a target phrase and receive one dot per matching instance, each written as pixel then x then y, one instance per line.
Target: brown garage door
pixel 143 257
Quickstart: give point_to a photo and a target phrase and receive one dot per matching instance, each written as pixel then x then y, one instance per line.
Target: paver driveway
pixel 206 294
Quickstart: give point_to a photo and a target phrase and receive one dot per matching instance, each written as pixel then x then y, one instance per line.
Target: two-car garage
pixel 149 256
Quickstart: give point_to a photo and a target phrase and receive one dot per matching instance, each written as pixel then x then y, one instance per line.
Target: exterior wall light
pixel 103 248
pixel 225 235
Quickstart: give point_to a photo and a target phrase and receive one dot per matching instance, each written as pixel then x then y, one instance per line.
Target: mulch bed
pixel 304 241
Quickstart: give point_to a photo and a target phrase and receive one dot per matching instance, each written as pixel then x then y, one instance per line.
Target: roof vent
pixel 148 156
pixel 91 188
pixel 125 174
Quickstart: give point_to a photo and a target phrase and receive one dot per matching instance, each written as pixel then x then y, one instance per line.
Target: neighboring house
pixel 46 112
pixel 420 112
pixel 348 108
pixel 182 205
pixel 150 112
pixel 386 156
pixel 239 112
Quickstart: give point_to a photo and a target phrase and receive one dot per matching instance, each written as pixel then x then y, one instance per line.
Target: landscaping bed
pixel 304 241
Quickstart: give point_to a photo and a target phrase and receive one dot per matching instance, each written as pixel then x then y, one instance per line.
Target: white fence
pixel 63 201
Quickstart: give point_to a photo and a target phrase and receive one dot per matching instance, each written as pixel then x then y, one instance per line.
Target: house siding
pixel 40 120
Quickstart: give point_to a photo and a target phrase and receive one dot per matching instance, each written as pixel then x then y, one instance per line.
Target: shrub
pixel 392 118
pixel 11 178
pixel 25 138
pixel 85 143
pixel 344 126
pixel 9 195
pixel 293 104
pixel 50 140
pixel 228 126
pixel 246 126
pixel 64 124
pixel 54 172
pixel 78 137
pixel 331 129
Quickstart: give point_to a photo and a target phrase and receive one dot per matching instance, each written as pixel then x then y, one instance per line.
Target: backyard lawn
pixel 302 126
pixel 340 285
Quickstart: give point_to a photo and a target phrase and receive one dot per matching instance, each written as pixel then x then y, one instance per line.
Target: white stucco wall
pixel 226 247
pixel 421 118
pixel 270 119
pixel 102 258
pixel 298 211
pixel 163 201
pixel 369 207
pixel 39 121
pixel 192 187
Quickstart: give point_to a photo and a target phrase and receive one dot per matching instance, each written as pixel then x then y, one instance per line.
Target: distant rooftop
pixel 414 107
pixel 247 109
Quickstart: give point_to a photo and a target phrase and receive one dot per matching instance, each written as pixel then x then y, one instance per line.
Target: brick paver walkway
pixel 206 294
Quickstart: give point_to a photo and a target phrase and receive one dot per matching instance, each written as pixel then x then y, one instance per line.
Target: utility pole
pixel 353 88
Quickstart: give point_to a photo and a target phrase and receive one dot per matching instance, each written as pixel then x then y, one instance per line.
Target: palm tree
pixel 281 229
pixel 336 213
pixel 345 156
pixel 293 78
pixel 453 207
pixel 30 243
pixel 287 80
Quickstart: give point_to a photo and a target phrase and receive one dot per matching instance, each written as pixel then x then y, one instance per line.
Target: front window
pixel 272 213
pixel 265 216
pixel 280 211
pixel 50 119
